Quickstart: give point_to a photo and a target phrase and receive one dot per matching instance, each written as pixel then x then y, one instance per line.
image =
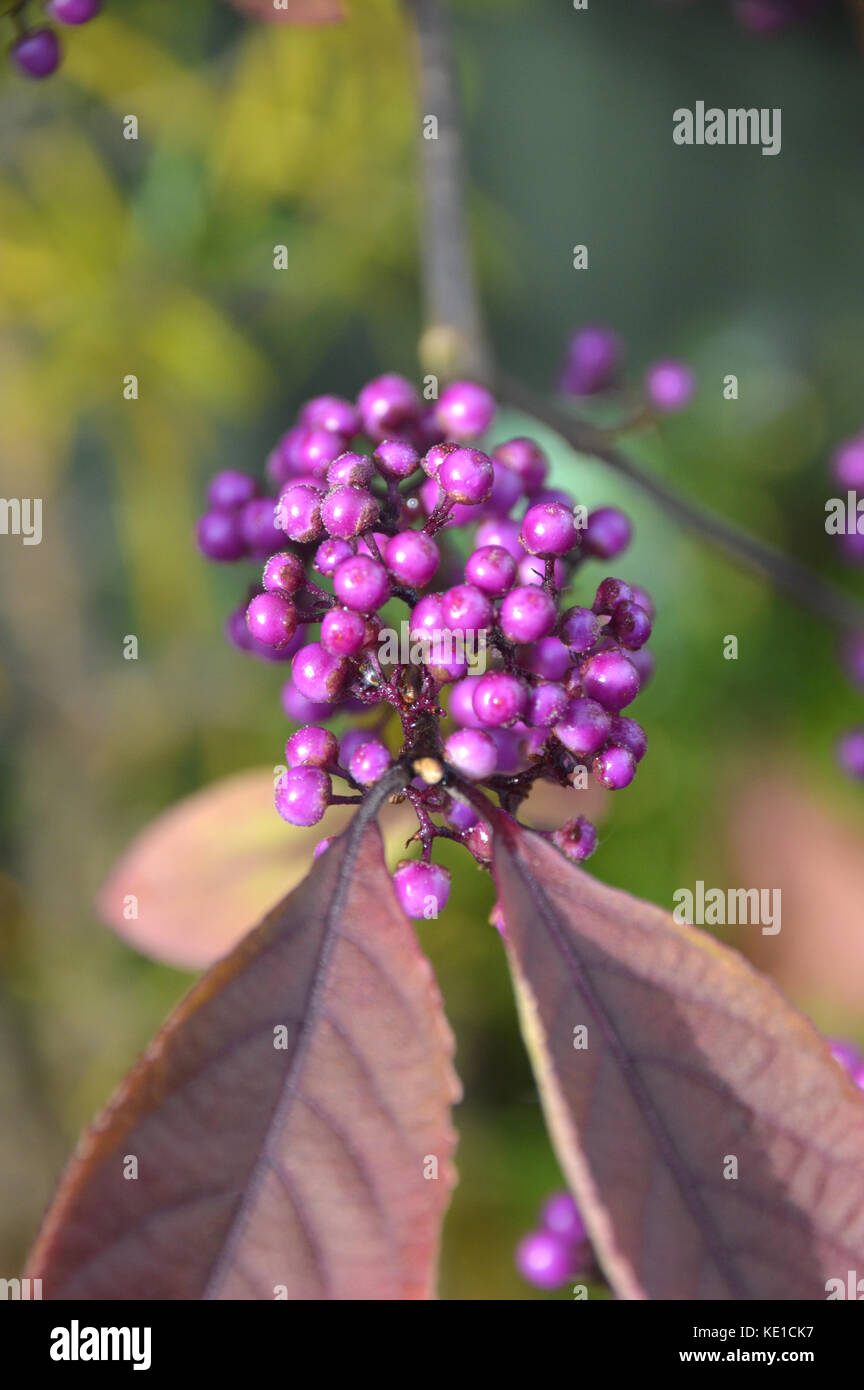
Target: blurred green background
pixel 155 257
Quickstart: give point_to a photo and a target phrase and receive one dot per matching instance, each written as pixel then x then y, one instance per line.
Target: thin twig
pixel 810 590
pixel 454 342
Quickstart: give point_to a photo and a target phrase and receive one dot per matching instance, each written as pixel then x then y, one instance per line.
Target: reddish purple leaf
pixel 319 1169
pixel 695 1066
pixel 292 11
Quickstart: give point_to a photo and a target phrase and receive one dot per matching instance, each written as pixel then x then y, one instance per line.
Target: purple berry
pixel 527 614
pixel 629 734
pixel 579 629
pixel 361 583
pixel 36 53
pixel 388 407
pixel 465 410
pixel 466 475
pixel 355 470
pixel 322 846
pixel 343 632
pixel 547 704
pixel 283 573
pixel 314 451
pixel 330 554
pixel 433 459
pixel 471 752
pixel 850 752
pixel 422 889
pixel 669 385
pixel 74 11
pixel 446 660
pixel 492 569
pixel 348 511
pixel 614 767
pixel 461 815
pixel 506 491
pixel 231 488
pixel 609 594
pixel 461 703
pixel 412 558
pixel 299 709
pixel 220 536
pixel 644 600
pixel 499 699
pixel 593 358
pixel 299 512
pixel 261 529
pixel 548 529
pixel 318 674
pixel 559 1212
pixel 303 795
pixel 500 531
pixel 466 609
pixel 395 458
pixel 577 839
pixel 610 678
pixel 643 660
pixel 847 464
pixel 369 762
pixel 583 728
pixel 631 625
pixel 272 619
pixel 607 533
pixel 330 413
pixel 548 658
pixel 545 1260
pixel 312 746
pixel 526 459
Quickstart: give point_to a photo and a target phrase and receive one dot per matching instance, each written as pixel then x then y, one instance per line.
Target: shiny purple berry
pixel 272 619
pixel 369 762
pixel 312 746
pixel 460 703
pixel 544 1260
pixel 607 533
pixel 631 625
pixel 361 583
pixel 471 752
pixel 283 573
pixel 465 410
pixel 343 632
pixel 547 705
pixel 500 531
pixel 433 459
pixel 499 699
pixel 348 511
pixel 847 464
pixel 395 458
pixel 318 674
pixel 331 553
pixel 315 450
pixel 560 1214
pixel 548 658
pixel 412 558
pixel 303 795
pixel 584 727
pixel 466 475
pixel 548 529
pixel 614 767
pixel 579 629
pixel 577 839
pixel 330 413
pixel 526 459
pixel 527 614
pixel 36 53
pixel 491 569
pixel 466 609
pixel 299 512
pixel 355 470
pixel 220 536
pixel 669 385
pixel 629 734
pixel 74 11
pixel 388 407
pixel 610 678
pixel 422 889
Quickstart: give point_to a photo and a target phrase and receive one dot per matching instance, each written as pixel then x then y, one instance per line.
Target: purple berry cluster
pixel 847 473
pixel 558 1249
pixel 35 50
pixel 438 577
pixel 593 364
